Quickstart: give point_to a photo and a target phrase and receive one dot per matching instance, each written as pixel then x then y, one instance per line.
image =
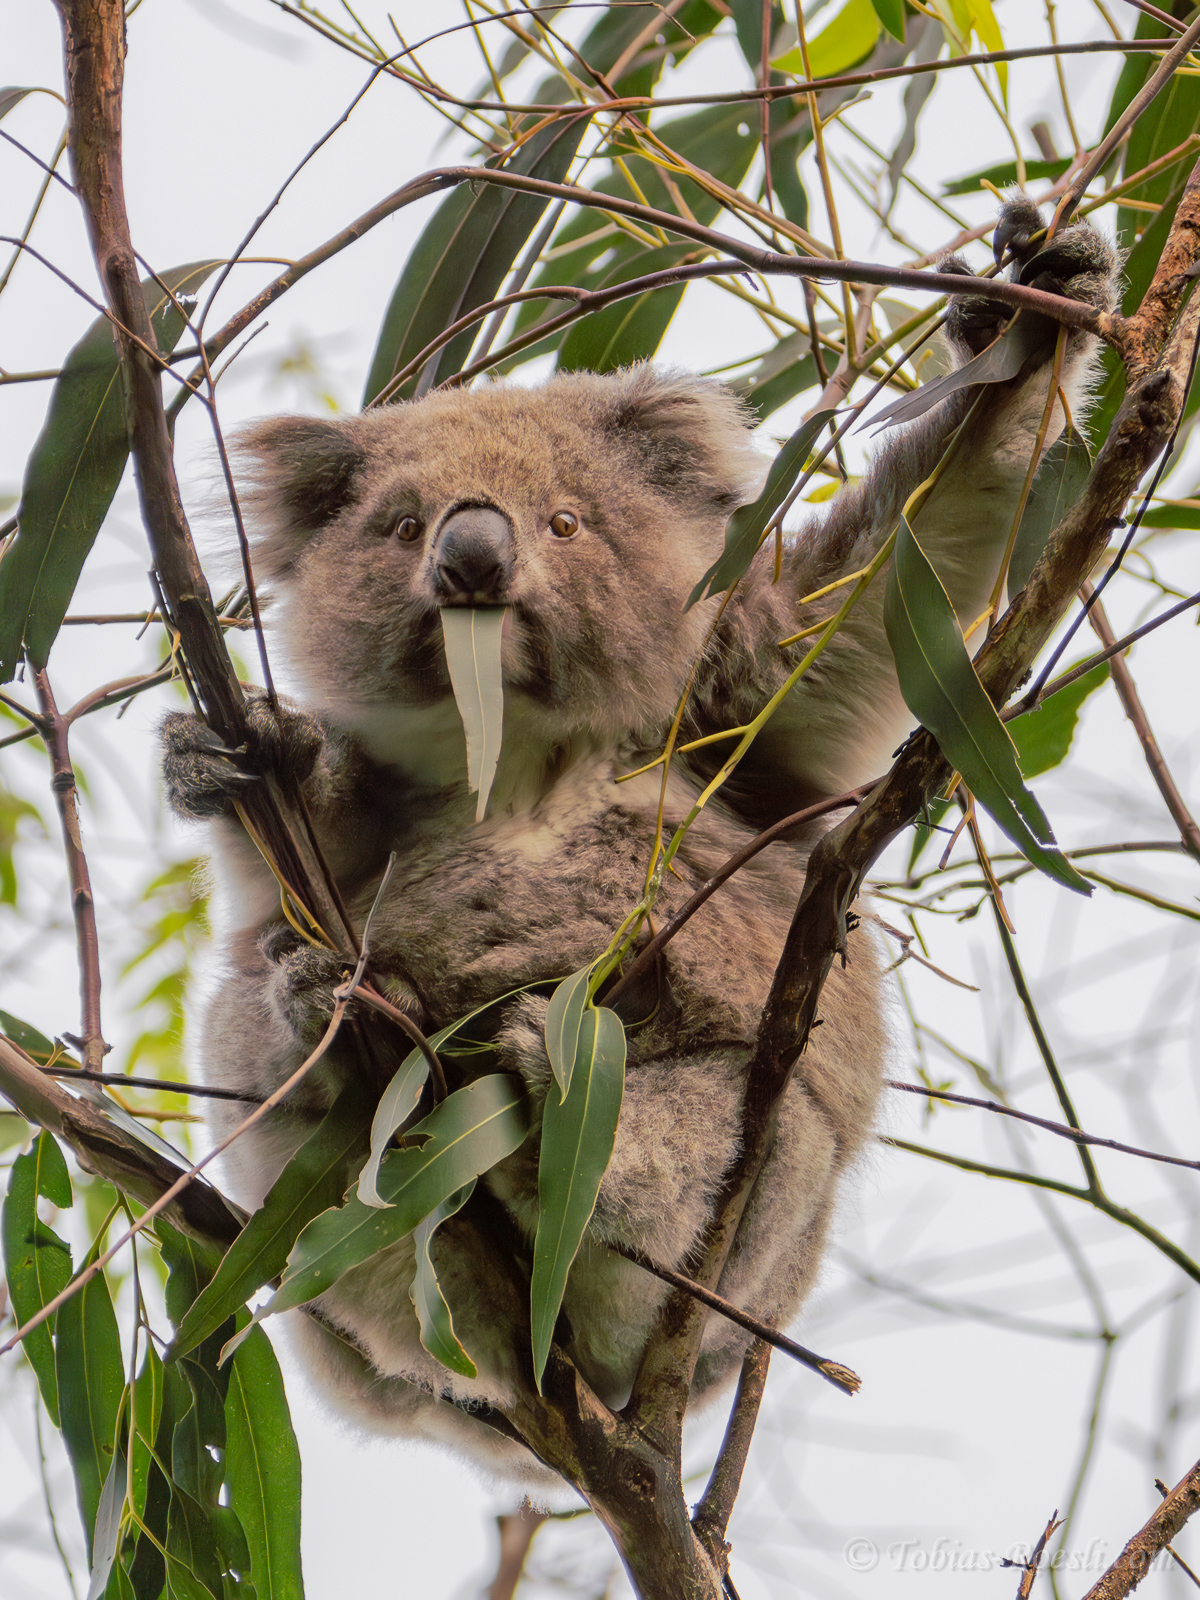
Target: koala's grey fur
pixel 597 652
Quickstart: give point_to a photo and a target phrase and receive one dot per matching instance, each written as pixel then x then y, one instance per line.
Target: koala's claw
pixel 1020 224
pixel 205 777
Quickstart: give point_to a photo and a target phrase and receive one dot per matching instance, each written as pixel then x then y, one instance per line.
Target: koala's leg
pixel 842 722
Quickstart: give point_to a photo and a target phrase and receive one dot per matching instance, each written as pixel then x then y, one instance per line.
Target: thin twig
pixel 833 1372
pixel 1135 711
pixel 711 1518
pixel 1132 1565
pixel 1059 1128
pixel 66 797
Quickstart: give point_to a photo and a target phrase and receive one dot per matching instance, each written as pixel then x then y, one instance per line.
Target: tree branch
pixel 1132 1565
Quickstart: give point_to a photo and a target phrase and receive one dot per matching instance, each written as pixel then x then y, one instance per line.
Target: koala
pixel 588 508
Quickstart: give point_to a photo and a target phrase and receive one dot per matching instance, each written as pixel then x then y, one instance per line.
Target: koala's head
pixel 589 507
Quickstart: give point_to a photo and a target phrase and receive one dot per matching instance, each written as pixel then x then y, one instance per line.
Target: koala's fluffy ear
pixel 690 435
pixel 296 474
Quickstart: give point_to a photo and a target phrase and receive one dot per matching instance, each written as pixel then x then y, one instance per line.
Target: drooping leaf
pixel 1056 488
pixel 577 1144
pixel 1002 359
pixel 716 140
pixel 941 688
pixel 193 1567
pixel 629 330
pixel 840 45
pixel 460 261
pixel 37 1262
pixel 433 1311
pixel 468 1133
pixel 1004 175
pixel 891 14
pixel 33 1043
pixel 778 376
pixel 10 96
pixel 147 1406
pixel 745 528
pixel 87 1364
pixel 564 1018
pixel 1170 119
pixel 72 475
pixel 472 640
pixel 262 1470
pixel 314 1179
pixel 107 1533
pixel 1043 737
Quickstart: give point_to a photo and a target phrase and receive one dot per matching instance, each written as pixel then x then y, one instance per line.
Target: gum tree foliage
pixel 589 190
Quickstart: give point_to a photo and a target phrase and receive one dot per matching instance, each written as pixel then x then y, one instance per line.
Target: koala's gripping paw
pixel 1078 263
pixel 204 777
pixel 304 976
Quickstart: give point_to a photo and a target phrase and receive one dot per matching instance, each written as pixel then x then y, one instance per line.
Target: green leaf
pixel 1004 175
pixel 577 1144
pixel 564 1018
pixel 37 1262
pixel 147 1405
pixel 891 14
pixel 313 1180
pixel 1056 488
pixel 629 330
pixel 33 1043
pixel 717 140
pixel 846 41
pixel 460 261
pixel 87 1352
pixel 399 1099
pixel 72 476
pixel 472 641
pixel 107 1533
pixel 1043 737
pixel 1173 516
pixel 941 688
pixel 745 528
pixel 468 1133
pixel 1003 359
pixel 433 1312
pixel 10 96
pixel 262 1470
pixel 779 376
pixel 193 1566
pixel 190 1266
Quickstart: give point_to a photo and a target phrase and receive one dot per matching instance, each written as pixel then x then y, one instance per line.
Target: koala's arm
pixel 842 722
pixel 340 787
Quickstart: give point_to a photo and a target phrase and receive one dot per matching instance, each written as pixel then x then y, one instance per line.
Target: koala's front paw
pixel 1078 263
pixel 304 976
pixel 971 320
pixel 205 778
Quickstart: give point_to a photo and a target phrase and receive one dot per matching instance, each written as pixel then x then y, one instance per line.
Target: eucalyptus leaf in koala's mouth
pixel 472 640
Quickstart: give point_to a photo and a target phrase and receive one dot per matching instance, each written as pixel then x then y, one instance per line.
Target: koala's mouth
pixel 473 637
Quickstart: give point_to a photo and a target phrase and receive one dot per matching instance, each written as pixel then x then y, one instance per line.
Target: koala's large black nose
pixel 473 557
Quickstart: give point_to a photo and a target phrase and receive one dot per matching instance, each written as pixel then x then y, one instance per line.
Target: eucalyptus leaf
pixel 314 1179
pixel 107 1533
pixel 578 1134
pixel 37 1262
pixel 840 45
pixel 472 640
pixel 191 1550
pixel 941 688
pixel 10 96
pixel 745 528
pixel 400 1098
pixel 147 1406
pixel 1002 360
pixel 262 1470
pixel 468 1133
pixel 460 261
pixel 1043 737
pixel 564 1018
pixel 891 14
pixel 72 475
pixel 433 1312
pixel 87 1363
pixel 629 330
pixel 33 1042
pixel 1056 488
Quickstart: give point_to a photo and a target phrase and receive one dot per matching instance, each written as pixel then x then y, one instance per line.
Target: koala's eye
pixel 408 529
pixel 564 524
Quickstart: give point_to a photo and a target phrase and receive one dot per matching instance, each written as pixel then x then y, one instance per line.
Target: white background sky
pixel 968 1428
